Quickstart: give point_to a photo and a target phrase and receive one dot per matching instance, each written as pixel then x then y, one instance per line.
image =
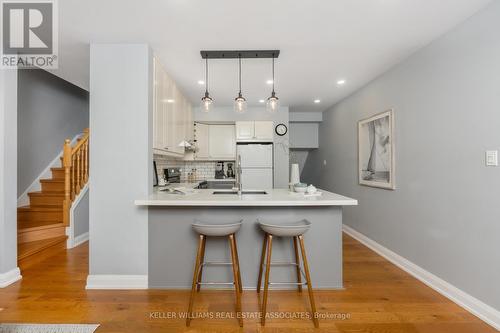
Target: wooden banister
pixel 76 171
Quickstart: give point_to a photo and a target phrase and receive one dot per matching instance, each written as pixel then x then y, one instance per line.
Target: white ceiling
pixel 321 41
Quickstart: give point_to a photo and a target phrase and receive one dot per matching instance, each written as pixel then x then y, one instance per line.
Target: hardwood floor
pixel 378 297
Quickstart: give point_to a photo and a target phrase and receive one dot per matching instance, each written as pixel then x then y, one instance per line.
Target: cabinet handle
pixel 166 148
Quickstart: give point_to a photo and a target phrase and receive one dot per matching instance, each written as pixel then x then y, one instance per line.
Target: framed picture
pixel 376 151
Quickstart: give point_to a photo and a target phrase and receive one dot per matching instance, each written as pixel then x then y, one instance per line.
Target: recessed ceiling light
pixel 261 101
pixel 269 81
pixel 201 82
pixel 317 101
pixel 170 101
pixel 341 82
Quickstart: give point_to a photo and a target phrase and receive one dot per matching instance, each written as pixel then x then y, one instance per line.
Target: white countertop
pixel 274 197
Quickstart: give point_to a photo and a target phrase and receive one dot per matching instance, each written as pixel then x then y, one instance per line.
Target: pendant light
pixel 207 102
pixel 240 103
pixel 273 102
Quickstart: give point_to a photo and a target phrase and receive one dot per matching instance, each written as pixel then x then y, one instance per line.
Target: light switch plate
pixel 492 158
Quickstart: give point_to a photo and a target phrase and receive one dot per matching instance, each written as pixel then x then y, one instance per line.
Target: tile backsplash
pixel 204 169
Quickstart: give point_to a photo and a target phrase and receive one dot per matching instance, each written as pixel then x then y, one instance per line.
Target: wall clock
pixel 281 129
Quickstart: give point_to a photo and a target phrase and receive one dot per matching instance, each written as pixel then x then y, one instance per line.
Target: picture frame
pixel 376 151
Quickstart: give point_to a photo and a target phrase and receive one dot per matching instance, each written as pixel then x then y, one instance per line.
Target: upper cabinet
pixel 264 130
pixel 245 130
pixel 201 137
pixel 172 115
pixel 215 142
pixel 256 131
pixel 222 142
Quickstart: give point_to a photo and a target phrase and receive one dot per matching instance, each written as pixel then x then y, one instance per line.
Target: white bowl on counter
pixel 300 188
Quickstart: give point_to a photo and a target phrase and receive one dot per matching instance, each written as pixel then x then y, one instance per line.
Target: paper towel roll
pixel 294 174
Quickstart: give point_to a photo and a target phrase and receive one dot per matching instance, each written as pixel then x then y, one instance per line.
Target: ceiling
pixel 321 41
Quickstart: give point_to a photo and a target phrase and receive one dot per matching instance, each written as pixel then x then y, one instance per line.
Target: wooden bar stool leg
pixel 308 279
pixel 262 257
pixel 266 281
pixel 238 264
pixel 202 260
pixel 297 260
pixel 236 280
pixel 195 279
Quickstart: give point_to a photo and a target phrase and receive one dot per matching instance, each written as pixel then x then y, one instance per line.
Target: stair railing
pixel 76 171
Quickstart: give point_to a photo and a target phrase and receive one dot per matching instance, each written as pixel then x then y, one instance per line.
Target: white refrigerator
pixel 256 165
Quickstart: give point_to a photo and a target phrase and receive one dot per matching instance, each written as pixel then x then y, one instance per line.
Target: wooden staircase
pixel 41 226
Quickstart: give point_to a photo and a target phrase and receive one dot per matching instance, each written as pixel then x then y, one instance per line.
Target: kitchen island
pixel 173 243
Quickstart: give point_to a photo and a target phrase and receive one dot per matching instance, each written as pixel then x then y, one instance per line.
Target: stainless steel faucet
pixel 238 176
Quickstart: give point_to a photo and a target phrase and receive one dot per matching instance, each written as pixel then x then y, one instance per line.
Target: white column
pixel 9 272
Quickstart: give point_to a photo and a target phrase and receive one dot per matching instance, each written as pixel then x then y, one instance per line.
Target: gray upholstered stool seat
pixel 290 229
pixel 216 229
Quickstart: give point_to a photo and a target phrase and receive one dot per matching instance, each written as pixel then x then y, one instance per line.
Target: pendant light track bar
pixel 243 54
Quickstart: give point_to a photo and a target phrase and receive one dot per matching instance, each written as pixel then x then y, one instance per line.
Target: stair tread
pixel 49 194
pixel 25 226
pixel 29 248
pixel 52 180
pixel 57 169
pixel 41 208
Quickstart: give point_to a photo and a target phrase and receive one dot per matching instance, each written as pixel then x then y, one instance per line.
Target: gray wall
pixel 304 135
pixel 8 171
pixel 81 216
pixel 444 215
pixel 50 110
pixel 121 162
pixel 281 143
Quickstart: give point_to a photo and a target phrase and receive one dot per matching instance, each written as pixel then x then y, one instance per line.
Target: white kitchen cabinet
pixel 222 142
pixel 215 142
pixel 172 114
pixel 245 130
pixel 262 131
pixel 201 136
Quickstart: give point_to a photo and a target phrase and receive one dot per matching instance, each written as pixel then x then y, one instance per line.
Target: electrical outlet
pixel 492 158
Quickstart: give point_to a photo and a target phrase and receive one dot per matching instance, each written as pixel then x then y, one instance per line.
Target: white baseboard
pixel 79 240
pixel 10 277
pixel 481 310
pixel 117 282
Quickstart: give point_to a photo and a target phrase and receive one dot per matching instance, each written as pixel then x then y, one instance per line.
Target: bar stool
pixel 216 230
pixel 296 231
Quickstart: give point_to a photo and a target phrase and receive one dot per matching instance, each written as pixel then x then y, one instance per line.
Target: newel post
pixel 67 181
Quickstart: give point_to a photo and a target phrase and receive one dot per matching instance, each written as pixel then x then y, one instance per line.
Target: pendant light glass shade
pixel 240 103
pixel 273 102
pixel 207 102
